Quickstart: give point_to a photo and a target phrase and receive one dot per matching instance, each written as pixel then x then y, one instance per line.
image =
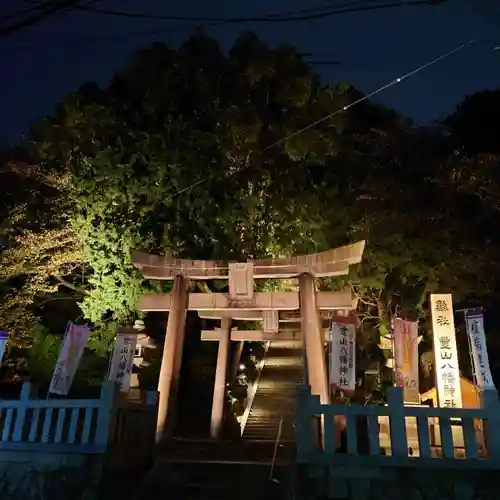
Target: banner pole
pixel 330 353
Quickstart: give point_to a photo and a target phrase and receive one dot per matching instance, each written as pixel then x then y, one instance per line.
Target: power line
pixel 263 19
pixel 24 12
pixel 345 108
pixel 324 62
pixel 323 7
pixel 75 43
pixel 375 92
pixel 41 12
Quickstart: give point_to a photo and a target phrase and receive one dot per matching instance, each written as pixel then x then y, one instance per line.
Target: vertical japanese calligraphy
pixel 406 358
pixel 123 360
pixel 4 336
pixel 343 356
pixel 69 358
pixel 477 340
pixel 445 351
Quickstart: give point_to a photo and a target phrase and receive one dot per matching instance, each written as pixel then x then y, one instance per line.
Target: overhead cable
pixel 45 10
pixel 272 17
pixel 343 109
pixel 263 19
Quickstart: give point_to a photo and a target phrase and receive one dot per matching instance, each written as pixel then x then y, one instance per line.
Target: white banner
pixel 477 338
pixel 406 358
pixel 69 358
pixel 343 356
pixel 445 351
pixel 4 336
pixel 123 360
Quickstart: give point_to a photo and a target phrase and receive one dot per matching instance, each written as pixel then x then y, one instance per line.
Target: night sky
pixel 38 67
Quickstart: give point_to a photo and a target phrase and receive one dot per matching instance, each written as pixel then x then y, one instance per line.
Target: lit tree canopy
pixel 199 154
pixel 170 119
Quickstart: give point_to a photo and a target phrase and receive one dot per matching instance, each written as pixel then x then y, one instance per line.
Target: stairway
pixel 216 471
pixel 281 376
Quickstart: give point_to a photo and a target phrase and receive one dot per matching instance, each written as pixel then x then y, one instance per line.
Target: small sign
pixel 241 281
pixel 343 356
pixel 271 321
pixel 123 360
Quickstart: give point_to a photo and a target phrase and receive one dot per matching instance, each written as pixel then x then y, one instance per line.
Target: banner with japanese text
pixel 477 340
pixel 122 361
pixel 445 351
pixel 406 358
pixel 69 358
pixel 4 336
pixel 343 356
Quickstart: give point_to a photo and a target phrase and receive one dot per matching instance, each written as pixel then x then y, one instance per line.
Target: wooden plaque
pixel 241 281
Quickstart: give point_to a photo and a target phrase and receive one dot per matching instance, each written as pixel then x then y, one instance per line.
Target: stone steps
pixel 214 482
pixel 281 376
pixel 217 471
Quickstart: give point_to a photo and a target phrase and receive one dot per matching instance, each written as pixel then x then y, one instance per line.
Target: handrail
pixel 275 453
pixel 253 390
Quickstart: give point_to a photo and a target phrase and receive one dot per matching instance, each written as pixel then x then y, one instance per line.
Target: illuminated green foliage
pixel 115 167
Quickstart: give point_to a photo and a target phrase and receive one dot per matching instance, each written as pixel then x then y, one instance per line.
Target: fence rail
pixel 355 430
pixel 56 425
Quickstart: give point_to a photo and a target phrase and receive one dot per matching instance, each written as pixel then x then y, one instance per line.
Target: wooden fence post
pixel 105 412
pixel 397 422
pixel 492 406
pixel 152 398
pixel 17 435
pixel 303 424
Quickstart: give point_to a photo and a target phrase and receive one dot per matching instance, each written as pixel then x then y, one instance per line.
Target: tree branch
pixel 69 285
pixel 56 298
pixel 364 316
pixel 368 303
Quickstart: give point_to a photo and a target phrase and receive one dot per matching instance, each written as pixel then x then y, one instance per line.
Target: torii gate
pixel 304 306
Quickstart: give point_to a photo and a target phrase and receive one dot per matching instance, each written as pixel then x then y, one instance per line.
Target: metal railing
pixel 275 453
pixel 253 390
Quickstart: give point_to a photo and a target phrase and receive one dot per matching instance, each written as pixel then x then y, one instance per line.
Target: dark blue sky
pixel 374 48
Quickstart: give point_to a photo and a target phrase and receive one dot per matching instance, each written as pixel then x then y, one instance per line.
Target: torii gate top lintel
pixel 333 262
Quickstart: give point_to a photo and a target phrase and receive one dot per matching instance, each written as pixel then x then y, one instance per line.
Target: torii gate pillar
pixel 313 337
pixel 172 355
pixel 219 398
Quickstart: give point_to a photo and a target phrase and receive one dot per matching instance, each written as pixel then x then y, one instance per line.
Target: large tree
pixel 199 154
pixel 173 118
